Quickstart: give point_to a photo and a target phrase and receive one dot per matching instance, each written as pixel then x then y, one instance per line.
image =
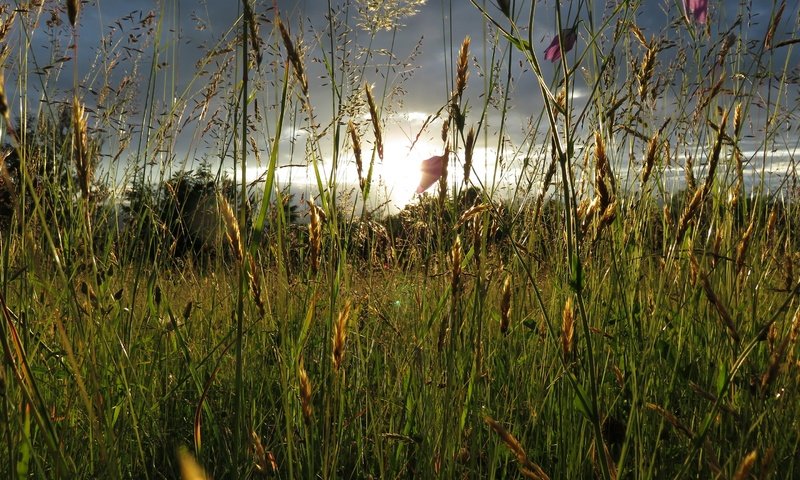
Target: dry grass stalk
pixel 720 308
pixel 528 468
pixel 232 232
pixel 443 178
pixel 190 469
pixel 688 170
pixel 73 8
pixel 788 266
pixel 376 122
pixel 314 237
pixel 456 256
pixel 772 221
pixel 83 162
pixel 715 247
pixel 356 144
pixel 294 57
pixel 692 208
pixel 776 19
pixel 737 120
pixel 726 46
pixel 567 328
pixel 650 158
pixel 638 34
pixel 766 463
pixel 715 89
pixel 742 244
pixel 602 170
pixel 671 419
pixel 694 269
pixel 778 355
pixel 264 460
pixel 645 73
pixel 340 335
pixel 469 148
pixel 305 393
pixel 254 278
pixel 743 471
pixel 713 161
pixel 712 398
pixel 471 213
pixel 5 27
pixel 505 306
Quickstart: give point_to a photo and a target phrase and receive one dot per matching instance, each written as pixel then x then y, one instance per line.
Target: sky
pixel 156 46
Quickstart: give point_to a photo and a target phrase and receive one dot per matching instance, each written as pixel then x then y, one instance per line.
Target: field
pixel 601 281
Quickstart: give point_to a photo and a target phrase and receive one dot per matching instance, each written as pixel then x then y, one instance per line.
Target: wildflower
pixel 432 169
pixel 698 9
pixel 567 39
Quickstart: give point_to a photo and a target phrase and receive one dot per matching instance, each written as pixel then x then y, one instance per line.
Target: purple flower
pixel 432 169
pixel 568 38
pixel 698 9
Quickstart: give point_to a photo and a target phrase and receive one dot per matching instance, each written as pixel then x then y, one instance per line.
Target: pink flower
pixel 432 169
pixel 697 9
pixel 568 38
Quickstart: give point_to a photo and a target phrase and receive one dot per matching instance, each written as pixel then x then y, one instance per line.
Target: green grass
pixel 128 353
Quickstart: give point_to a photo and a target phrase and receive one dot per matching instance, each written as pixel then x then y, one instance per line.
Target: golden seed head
pixel 376 123
pixel 462 73
pixel 294 57
pixel 305 392
pixel 650 158
pixel 231 227
pixel 776 19
pixel 743 472
pixel 638 34
pixel 737 120
pixel 567 327
pixel 340 335
pixel 469 147
pixel 356 144
pixel 511 442
pixel 83 163
pixel 505 306
pixel 456 255
pixel 314 237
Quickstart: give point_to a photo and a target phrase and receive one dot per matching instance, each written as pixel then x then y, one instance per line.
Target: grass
pixel 593 322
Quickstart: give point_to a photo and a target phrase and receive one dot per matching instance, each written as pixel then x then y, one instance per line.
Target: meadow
pixel 603 287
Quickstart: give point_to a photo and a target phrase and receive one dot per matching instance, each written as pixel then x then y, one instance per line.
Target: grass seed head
pixel 505 306
pixel 567 328
pixel 356 144
pixel 776 19
pixel 469 147
pixel 254 279
pixel 305 393
pixel 376 122
pixel 340 335
pixel 650 158
pixel 231 227
pixel 83 162
pixel 294 57
pixel 314 237
pixel 462 72
pixel 456 255
pixel 737 120
pixel 73 8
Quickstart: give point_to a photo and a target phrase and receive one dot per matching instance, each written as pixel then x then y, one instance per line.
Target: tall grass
pixel 597 319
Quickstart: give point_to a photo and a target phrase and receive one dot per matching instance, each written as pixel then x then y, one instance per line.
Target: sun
pixel 398 175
